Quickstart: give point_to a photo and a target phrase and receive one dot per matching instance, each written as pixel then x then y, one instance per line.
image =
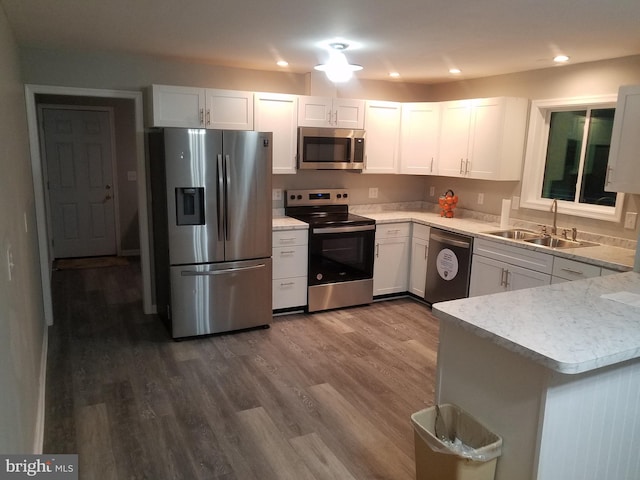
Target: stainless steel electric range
pixel 341 248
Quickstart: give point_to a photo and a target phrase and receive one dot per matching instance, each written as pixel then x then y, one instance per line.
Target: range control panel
pixel 327 196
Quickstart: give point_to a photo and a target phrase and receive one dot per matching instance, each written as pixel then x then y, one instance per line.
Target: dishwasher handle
pixel 450 241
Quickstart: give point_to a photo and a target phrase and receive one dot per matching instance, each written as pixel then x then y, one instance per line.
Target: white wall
pixel 22 326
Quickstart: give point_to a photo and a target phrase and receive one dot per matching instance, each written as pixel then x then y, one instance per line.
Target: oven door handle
pixel 359 228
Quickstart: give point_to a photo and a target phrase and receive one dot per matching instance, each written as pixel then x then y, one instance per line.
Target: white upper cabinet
pixel 624 157
pixel 330 112
pixel 419 138
pixel 483 138
pixel 382 123
pixel 278 113
pixel 201 107
pixel 177 106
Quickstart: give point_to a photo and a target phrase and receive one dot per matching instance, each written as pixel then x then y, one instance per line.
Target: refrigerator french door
pixel 212 228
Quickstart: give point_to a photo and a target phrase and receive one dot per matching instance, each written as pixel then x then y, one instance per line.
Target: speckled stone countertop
pixel 608 256
pixel 567 327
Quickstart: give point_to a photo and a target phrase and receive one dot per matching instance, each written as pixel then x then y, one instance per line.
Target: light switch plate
pixel 630 219
pixel 432 191
pixel 480 198
pixel 277 194
pixel 373 192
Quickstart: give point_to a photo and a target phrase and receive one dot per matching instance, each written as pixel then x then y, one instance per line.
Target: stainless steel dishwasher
pixel 448 266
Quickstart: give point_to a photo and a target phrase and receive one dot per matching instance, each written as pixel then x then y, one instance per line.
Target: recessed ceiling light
pixel 455 71
pixel 282 63
pixel 561 59
pixel 394 74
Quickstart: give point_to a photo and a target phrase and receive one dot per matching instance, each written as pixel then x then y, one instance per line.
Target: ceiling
pixel 420 39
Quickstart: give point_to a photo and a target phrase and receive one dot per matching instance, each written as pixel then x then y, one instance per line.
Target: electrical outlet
pixel 432 191
pixel 373 192
pixel 277 194
pixel 630 220
pixel 515 203
pixel 480 198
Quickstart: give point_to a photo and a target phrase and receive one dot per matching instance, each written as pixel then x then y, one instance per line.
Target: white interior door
pixel 78 151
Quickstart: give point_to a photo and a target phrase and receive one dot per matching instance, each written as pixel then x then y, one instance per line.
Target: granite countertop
pixel 567 327
pixel 614 258
pixel 608 256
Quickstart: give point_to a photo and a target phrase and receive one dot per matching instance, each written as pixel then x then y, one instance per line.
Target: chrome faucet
pixel 554 209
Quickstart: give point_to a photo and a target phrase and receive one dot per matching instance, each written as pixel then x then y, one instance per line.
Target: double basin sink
pixel 544 240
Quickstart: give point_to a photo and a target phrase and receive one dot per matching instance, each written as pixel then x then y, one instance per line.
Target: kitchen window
pixel 567 155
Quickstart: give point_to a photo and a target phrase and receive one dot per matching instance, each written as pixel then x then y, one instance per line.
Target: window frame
pixel 535 159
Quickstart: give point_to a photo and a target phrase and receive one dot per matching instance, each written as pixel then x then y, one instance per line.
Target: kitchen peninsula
pixel 555 371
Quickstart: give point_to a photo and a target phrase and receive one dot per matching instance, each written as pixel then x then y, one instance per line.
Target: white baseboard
pixel 38 436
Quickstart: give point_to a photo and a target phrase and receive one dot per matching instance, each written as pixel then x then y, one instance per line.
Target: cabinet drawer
pixel 392 230
pixel 573 270
pixel 283 238
pixel 522 257
pixel 289 292
pixel 290 261
pixel 421 231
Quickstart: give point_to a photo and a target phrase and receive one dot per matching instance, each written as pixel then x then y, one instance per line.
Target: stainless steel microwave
pixel 330 148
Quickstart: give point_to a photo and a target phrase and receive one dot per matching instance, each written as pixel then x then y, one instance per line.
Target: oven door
pixel 341 254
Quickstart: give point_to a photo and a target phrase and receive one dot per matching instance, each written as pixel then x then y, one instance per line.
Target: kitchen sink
pixel 515 234
pixel 557 242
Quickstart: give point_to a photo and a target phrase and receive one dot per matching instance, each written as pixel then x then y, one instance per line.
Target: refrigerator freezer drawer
pixel 220 297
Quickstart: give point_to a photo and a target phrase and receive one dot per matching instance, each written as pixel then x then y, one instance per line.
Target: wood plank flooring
pixel 321 396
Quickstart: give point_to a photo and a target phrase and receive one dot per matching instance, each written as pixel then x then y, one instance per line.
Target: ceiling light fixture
pixel 338 69
pixel 561 59
pixel 282 63
pixel 394 74
pixel 454 71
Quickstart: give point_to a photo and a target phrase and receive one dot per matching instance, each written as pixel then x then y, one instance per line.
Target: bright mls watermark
pixel 51 467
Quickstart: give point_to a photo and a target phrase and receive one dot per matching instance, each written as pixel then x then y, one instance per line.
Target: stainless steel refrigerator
pixel 211 213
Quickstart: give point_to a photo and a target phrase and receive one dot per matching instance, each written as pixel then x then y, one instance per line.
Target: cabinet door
pixel 349 113
pixel 487 276
pixel 418 266
pixel 454 138
pixel 383 129
pixel 485 139
pixel 177 106
pixel 497 138
pixel 278 113
pixel 229 109
pixel 518 278
pixel 315 111
pixel 419 138
pixel 624 174
pixel 390 267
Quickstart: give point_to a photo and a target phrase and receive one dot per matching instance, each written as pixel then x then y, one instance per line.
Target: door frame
pixel 46 263
pixel 114 168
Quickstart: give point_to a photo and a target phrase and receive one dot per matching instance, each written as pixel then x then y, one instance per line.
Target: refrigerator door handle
pixel 192 273
pixel 227 163
pixel 219 194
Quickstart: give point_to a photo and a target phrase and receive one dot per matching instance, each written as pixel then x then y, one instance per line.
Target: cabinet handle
pixel 329 117
pixel 503 282
pixel 286 240
pixel 506 278
pixel 377 250
pixel 202 116
pixel 461 162
pixel 575 272
pixel 425 252
pixel 288 252
pixel 208 117
pixel 466 167
pixel 336 118
pixel 287 284
pixel 431 167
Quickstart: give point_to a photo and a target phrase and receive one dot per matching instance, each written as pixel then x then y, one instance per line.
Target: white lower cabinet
pixel 496 268
pixel 391 260
pixel 418 262
pixel 290 254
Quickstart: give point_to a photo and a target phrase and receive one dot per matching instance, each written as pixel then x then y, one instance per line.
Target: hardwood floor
pixel 321 396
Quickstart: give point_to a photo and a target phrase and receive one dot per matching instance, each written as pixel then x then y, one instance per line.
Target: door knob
pixel 108 187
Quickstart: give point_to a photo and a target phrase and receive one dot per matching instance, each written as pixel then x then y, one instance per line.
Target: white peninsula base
pixel 555 426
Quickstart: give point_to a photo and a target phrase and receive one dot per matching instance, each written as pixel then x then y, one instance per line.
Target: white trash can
pixel 452 445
